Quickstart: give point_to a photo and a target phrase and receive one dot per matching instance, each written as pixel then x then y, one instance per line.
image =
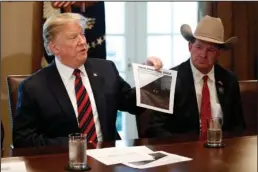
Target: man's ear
pixel 190 46
pixel 53 48
pixel 218 53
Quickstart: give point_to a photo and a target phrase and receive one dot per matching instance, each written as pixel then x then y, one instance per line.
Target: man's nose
pixel 204 53
pixel 82 39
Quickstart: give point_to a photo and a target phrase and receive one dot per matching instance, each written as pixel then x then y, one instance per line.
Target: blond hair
pixel 52 26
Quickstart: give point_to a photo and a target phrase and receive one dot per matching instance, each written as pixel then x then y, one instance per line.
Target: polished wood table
pixel 239 155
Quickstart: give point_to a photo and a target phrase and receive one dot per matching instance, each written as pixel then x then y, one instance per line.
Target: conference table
pixel 239 155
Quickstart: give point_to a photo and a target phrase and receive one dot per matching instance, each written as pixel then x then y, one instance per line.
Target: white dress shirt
pixel 68 79
pixel 198 83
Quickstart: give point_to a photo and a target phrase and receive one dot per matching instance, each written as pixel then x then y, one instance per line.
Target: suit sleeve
pixel 127 96
pixel 26 123
pixel 157 125
pixel 238 118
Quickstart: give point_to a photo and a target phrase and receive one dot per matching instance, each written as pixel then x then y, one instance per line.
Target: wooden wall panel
pixel 241 25
pixel 240 19
pixel 224 11
pixel 252 10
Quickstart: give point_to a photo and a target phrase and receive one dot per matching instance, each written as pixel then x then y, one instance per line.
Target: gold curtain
pixel 240 19
pixel 37 47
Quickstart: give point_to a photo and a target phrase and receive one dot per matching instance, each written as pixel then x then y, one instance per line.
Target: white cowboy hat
pixel 209 29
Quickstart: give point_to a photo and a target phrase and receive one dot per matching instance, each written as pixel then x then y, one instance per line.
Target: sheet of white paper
pixel 114 155
pixel 13 166
pixel 155 89
pixel 160 158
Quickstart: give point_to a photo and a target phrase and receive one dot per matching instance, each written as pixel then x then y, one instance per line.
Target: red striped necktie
pixel 85 116
pixel 205 108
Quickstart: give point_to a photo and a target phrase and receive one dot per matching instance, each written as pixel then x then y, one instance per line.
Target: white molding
pixel 136 51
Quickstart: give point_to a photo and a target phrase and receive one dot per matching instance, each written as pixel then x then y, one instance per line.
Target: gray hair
pixel 52 26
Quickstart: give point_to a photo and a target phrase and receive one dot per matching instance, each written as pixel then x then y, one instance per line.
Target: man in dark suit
pixel 73 94
pixel 204 89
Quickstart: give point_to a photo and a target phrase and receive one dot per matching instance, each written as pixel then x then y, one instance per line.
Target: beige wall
pixel 16 50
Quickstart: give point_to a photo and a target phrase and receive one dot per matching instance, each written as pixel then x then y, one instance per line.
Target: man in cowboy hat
pixel 203 89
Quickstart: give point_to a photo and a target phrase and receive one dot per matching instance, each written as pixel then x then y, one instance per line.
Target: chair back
pixel 13 82
pixel 249 96
pixel 2 136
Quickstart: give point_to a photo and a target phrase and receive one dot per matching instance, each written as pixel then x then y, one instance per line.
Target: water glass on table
pixel 214 133
pixel 77 151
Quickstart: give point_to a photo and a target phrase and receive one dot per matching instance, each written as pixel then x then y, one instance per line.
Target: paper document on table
pixel 13 166
pixel 160 158
pixel 116 155
pixel 155 89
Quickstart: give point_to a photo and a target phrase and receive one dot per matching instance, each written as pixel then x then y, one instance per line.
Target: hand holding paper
pixel 155 62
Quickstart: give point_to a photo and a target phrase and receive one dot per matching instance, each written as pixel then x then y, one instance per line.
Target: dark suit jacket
pixel 185 119
pixel 45 115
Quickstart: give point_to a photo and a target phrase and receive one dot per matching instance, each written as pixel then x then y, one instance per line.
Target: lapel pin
pixel 219 82
pixel 95 74
pixel 221 90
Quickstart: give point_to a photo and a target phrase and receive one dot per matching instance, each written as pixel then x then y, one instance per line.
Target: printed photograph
pixel 157 93
pixel 155 155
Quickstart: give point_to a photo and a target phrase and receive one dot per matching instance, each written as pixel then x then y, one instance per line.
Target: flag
pixel 48 11
pixel 95 28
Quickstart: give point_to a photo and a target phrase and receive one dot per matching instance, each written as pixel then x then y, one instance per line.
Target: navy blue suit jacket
pixel 45 115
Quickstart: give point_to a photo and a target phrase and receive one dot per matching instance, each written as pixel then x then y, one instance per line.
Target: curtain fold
pixel 37 46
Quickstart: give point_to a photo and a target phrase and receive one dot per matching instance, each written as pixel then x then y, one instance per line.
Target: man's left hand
pixel 155 62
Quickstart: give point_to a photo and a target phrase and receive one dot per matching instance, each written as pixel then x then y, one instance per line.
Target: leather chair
pixel 2 138
pixel 13 82
pixel 249 96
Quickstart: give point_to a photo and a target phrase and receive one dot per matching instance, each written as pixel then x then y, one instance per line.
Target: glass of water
pixel 214 134
pixel 77 151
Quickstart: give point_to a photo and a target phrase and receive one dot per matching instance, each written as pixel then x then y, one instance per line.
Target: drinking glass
pixel 214 134
pixel 77 151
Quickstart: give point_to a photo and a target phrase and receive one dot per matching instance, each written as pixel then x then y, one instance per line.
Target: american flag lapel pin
pixel 221 89
pixel 95 74
pixel 220 83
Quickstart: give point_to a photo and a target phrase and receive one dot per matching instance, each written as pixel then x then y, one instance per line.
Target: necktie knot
pixel 205 78
pixel 77 72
